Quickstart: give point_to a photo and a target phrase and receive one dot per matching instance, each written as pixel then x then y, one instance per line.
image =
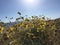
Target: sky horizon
pixel 48 8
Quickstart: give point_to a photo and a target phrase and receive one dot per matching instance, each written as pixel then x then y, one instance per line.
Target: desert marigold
pixel 43 25
pixel 11 28
pixel 22 25
pixel 27 26
pixel 53 27
pixel 1 29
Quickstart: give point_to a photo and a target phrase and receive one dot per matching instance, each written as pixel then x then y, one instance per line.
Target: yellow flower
pixel 53 27
pixel 7 35
pixel 44 23
pixel 27 27
pixel 1 29
pixel 11 28
pixel 22 25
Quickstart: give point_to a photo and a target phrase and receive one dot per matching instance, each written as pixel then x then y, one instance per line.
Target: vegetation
pixel 31 31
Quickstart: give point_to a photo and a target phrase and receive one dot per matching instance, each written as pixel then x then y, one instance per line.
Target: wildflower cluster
pixel 30 31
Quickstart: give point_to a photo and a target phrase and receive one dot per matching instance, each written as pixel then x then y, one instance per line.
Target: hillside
pixel 34 31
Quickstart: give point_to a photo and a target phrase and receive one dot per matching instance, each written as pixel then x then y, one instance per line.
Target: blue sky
pixel 9 8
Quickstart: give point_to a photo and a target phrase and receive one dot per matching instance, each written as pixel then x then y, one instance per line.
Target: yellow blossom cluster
pixel 28 30
pixel 1 29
